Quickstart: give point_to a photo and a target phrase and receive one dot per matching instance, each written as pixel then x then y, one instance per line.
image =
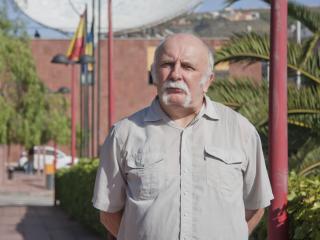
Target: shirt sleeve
pixel 257 191
pixel 109 189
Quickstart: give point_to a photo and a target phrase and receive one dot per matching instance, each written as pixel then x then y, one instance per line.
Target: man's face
pixel 181 66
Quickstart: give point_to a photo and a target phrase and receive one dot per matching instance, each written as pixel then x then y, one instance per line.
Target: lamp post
pixel 86 59
pixel 62 59
pixel 110 66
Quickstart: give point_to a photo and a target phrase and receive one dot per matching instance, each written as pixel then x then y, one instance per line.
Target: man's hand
pixel 111 221
pixel 253 217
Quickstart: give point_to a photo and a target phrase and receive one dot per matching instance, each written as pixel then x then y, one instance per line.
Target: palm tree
pixel 301 57
pixel 253 47
pixel 303 118
pixel 303 104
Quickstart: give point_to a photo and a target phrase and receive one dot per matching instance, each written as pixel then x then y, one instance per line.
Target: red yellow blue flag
pixel 89 47
pixel 76 47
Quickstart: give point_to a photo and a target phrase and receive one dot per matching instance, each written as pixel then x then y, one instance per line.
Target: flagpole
pixel 86 92
pixel 73 113
pixel 72 57
pixel 82 91
pixel 110 67
pixel 93 84
pixel 99 77
pixel 81 113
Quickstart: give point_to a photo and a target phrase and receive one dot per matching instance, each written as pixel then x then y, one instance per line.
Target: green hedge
pixel 303 209
pixel 74 189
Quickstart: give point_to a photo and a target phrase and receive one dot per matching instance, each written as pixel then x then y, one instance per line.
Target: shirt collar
pixel 210 110
pixel 155 113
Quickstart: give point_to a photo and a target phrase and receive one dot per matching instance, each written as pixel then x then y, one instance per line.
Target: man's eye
pixel 188 67
pixel 166 64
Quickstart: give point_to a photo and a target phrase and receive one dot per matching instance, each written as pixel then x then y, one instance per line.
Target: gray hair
pixel 210 60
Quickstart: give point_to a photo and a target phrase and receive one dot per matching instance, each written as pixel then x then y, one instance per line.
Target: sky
pixel 207 5
pixel 215 5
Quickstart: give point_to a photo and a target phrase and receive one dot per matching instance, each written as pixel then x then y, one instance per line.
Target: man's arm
pixel 111 221
pixel 253 217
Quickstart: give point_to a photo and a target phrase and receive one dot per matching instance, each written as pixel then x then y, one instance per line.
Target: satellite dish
pixel 127 15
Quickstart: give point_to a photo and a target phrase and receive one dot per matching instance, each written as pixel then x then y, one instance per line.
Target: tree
pixel 22 91
pixel 56 121
pixel 303 117
pixel 5 113
pixel 301 57
pixel 310 19
pixel 303 104
pixel 29 114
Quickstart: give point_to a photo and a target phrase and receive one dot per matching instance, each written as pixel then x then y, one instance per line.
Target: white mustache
pixel 173 84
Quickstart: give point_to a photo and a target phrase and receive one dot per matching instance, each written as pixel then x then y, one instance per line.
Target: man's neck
pixel 180 115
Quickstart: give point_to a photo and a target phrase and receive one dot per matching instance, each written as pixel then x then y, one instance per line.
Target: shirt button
pixel 185 214
pixel 185 193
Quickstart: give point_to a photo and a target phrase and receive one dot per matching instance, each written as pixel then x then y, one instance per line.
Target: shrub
pixel 74 190
pixel 303 210
pixel 304 207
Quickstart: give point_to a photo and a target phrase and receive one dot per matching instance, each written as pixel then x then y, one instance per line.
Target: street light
pixel 62 59
pixel 86 59
pixel 63 90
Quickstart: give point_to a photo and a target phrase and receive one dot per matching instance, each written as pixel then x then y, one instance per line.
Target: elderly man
pixel 185 167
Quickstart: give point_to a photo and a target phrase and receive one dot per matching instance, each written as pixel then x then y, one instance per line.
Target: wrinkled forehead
pixel 185 47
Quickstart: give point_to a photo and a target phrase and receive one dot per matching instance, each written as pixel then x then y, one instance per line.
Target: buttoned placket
pixel 186 184
pixel 186 171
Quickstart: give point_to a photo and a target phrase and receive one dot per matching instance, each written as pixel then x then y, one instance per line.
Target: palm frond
pixel 243 94
pixel 307 160
pixel 244 46
pixel 303 117
pixel 253 47
pixel 310 168
pixel 252 101
pixel 230 2
pixel 310 48
pixel 305 15
pixel 308 17
pixel 304 107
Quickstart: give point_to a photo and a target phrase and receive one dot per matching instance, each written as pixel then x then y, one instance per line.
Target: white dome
pixel 127 15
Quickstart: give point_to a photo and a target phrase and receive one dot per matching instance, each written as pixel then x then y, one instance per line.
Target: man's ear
pixel 208 82
pixel 153 74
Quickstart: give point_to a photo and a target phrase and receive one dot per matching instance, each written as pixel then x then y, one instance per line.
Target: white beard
pixel 165 97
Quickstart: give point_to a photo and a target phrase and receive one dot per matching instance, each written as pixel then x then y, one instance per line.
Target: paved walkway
pixel 27 212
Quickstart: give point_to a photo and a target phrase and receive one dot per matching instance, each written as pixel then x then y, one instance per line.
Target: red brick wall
pixel 132 91
pixel 252 71
pixel 131 88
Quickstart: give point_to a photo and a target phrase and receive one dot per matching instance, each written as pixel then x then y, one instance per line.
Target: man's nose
pixel 176 73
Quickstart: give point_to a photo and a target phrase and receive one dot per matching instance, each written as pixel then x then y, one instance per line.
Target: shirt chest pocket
pixel 224 172
pixel 145 174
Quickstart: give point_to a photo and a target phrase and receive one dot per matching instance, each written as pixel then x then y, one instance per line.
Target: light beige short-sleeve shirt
pixel 182 183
